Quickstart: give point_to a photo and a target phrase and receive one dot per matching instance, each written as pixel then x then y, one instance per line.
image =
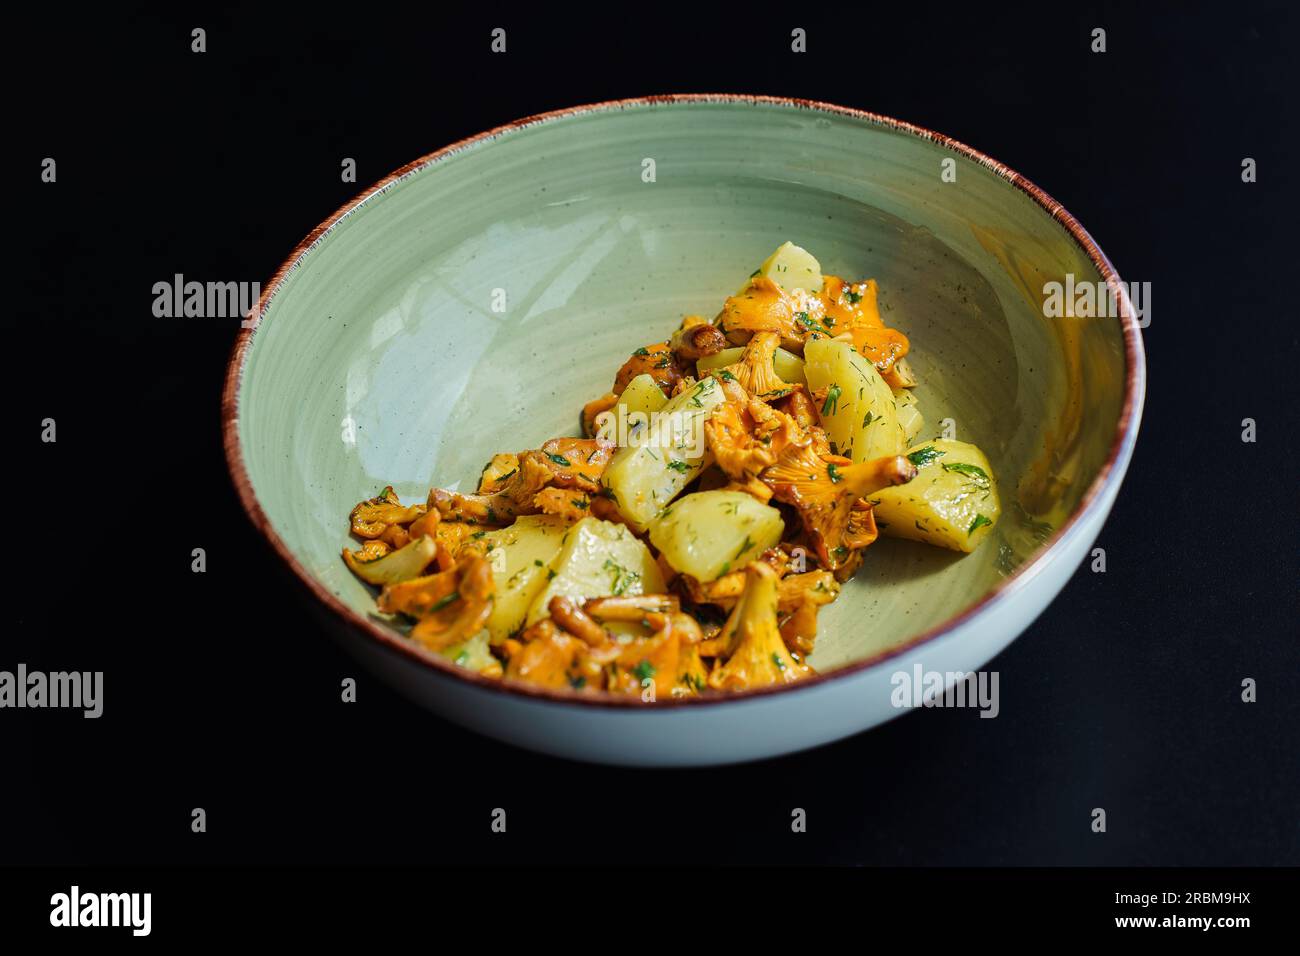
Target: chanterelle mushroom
pixel 755 653
pixel 825 489
pixel 747 436
pixel 667 659
pixel 592 411
pixel 570 463
pixel 451 606
pixel 695 339
pixel 755 372
pixel 763 306
pixel 657 361
pixel 573 647
pixel 798 596
pixel 550 656
pixel 851 310
pixel 726 590
pixel 372 517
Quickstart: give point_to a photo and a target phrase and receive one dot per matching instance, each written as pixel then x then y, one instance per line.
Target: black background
pixel 223 693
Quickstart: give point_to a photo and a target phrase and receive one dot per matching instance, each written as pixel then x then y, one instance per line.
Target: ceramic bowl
pixel 473 300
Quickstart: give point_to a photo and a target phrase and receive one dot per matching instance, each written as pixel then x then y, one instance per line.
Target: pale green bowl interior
pixel 380 358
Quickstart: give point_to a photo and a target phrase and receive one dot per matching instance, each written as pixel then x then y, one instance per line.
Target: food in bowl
pixel 721 493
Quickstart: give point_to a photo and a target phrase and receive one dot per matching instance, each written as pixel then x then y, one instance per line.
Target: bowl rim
pixel 1110 473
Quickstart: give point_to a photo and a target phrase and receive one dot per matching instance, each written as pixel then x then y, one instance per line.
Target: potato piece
pixel 598 559
pixel 791 267
pixel 858 413
pixel 641 398
pixel 646 474
pixel 708 533
pixel 952 502
pixel 520 556
pixel 788 366
pixel 474 655
pixel 393 568
pixel 644 395
pixel 909 415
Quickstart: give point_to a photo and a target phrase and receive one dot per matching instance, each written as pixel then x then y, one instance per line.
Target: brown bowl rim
pixel 1121 448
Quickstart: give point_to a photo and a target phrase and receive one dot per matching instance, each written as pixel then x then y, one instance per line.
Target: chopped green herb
pixel 743 548
pixel 642 352
pixel 679 466
pixel 644 671
pixel 623 578
pixel 834 473
pixel 807 322
pixel 559 460
pixel 442 602
pixel 973 472
pixel 979 522
pixel 923 456
pixel 832 400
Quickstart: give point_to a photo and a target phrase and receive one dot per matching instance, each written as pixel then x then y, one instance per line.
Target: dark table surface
pixel 222 692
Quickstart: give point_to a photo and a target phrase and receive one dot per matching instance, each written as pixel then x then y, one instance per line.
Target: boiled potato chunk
pixel 520 556
pixel 597 559
pixel 792 267
pixel 474 655
pixel 952 502
pixel 789 367
pixel 909 414
pixel 643 395
pixel 640 399
pixel 858 412
pixel 708 533
pixel 653 468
